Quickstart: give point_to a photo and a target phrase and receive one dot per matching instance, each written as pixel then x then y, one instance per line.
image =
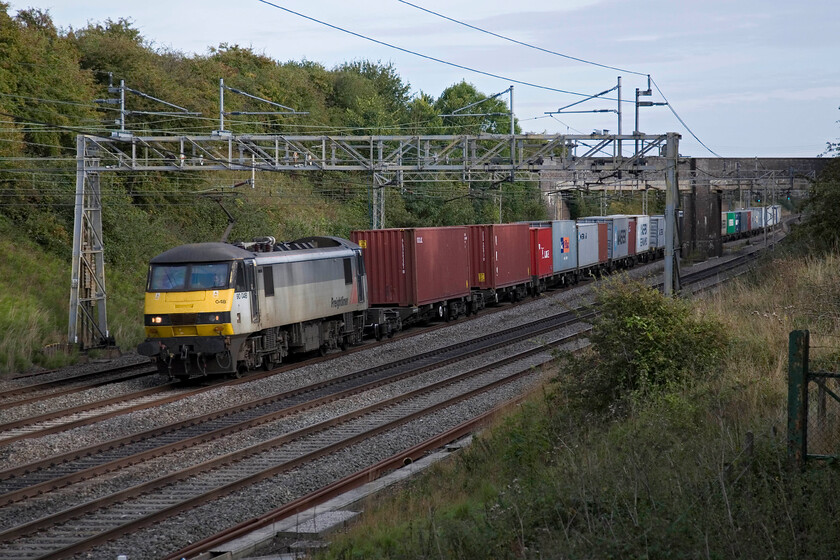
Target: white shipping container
pixel 642 233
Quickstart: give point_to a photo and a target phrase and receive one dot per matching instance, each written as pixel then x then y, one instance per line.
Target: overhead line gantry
pixel 495 158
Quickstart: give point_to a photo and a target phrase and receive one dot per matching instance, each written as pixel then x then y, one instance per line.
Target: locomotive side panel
pixel 295 292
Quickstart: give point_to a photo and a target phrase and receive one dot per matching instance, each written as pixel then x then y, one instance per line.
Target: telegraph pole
pixel 672 280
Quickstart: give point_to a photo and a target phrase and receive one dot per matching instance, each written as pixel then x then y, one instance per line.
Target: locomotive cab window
pixel 268 280
pixel 348 271
pixel 239 278
pixel 209 276
pixel 167 277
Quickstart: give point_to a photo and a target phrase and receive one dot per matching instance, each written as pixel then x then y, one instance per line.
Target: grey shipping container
pixel 758 216
pixel 564 245
pixel 657 232
pixel 617 234
pixel 587 244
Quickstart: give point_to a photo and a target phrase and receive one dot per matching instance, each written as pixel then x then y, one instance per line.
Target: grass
pixel 35 261
pixel 696 470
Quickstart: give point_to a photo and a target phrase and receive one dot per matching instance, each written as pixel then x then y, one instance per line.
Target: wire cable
pixel 682 122
pixel 453 20
pixel 415 53
pixel 564 56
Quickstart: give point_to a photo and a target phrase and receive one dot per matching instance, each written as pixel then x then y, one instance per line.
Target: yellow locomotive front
pixel 188 302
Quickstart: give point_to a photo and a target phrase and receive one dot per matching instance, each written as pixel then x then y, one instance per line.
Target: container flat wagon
pixel 415 275
pixel 542 263
pixel 499 267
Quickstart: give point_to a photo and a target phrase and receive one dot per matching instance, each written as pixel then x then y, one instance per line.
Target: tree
pixel 820 229
pixel 494 113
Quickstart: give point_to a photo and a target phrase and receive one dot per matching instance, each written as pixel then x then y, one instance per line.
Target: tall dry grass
pixel 697 471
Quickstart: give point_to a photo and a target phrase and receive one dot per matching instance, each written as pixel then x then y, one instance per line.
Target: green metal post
pixel 798 396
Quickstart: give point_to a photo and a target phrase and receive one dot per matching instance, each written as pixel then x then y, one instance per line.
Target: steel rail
pixel 343 485
pixel 240 455
pixel 428 361
pixel 63 392
pixel 46 385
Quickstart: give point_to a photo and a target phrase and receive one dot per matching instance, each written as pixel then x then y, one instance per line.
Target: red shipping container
pixel 497 255
pixel 415 266
pixel 631 232
pixel 542 264
pixel 603 243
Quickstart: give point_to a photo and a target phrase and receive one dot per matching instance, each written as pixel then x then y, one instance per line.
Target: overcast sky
pixel 747 77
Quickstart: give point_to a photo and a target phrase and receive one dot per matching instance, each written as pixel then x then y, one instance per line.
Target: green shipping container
pixel 731 222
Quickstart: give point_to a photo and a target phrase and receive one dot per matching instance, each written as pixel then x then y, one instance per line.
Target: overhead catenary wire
pixel 671 107
pixel 476 28
pixel 524 44
pixel 482 72
pixel 421 55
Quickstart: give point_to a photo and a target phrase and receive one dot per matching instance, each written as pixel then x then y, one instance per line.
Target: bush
pixel 642 342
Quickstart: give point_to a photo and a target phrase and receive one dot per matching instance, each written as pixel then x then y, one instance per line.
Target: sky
pixel 747 78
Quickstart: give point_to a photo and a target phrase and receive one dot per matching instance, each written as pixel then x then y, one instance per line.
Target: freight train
pixel 219 308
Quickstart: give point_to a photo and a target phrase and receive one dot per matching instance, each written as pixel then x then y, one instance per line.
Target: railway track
pixel 129 509
pixel 58 471
pixel 60 419
pixel 33 392
pixel 162 497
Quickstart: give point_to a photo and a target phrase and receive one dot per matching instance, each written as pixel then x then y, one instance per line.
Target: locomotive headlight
pixel 213 318
pixel 156 320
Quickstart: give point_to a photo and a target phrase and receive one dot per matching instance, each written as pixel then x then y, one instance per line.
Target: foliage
pixel 820 230
pixel 642 342
pixel 698 470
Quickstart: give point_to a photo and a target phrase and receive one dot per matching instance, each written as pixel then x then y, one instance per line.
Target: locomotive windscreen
pixel 189 277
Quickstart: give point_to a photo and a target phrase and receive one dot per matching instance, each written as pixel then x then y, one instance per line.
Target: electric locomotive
pixel 220 308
